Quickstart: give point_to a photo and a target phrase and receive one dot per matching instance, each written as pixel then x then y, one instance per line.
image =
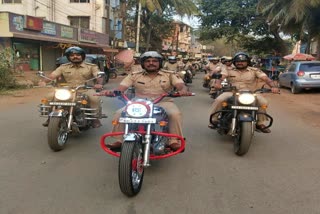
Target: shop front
pixel 37 43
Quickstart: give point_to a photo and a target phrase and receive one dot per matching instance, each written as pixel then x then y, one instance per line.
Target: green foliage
pixel 231 18
pixel 7 79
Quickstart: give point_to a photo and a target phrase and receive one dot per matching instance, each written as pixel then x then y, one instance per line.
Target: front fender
pixel 245 117
pixel 132 137
pixel 58 113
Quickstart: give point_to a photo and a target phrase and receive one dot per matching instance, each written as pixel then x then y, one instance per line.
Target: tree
pixel 297 17
pixel 237 20
pixel 156 10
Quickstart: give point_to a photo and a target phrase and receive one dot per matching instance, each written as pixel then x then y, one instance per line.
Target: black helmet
pixel 75 49
pixel 151 54
pixel 241 56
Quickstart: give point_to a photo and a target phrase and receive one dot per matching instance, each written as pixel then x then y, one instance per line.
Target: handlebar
pixel 122 95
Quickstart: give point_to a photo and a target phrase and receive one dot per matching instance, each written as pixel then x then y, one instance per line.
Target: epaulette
pixel 137 72
pixel 253 68
pixel 168 71
pixel 66 64
pixel 88 63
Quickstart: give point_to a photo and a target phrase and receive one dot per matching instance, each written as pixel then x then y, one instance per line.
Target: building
pixel 39 31
pixel 180 42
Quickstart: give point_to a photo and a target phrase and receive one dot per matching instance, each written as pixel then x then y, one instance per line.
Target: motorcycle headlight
pixel 246 99
pixel 62 94
pixel 137 110
pixel 183 72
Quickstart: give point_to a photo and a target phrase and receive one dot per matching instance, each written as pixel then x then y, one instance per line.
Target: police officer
pixel 172 64
pixel 227 63
pixel 213 67
pixel 75 73
pixel 150 83
pixel 243 77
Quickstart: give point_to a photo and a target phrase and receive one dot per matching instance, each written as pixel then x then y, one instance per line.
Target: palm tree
pixel 294 16
pixel 154 8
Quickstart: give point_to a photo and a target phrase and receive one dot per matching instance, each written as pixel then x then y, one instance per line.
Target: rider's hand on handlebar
pixel 107 93
pixel 98 86
pixel 275 90
pixel 217 85
pixel 42 83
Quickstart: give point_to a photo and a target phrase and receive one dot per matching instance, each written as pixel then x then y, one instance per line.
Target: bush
pixel 7 79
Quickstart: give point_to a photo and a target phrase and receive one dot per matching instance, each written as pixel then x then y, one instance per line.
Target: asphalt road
pixel 280 174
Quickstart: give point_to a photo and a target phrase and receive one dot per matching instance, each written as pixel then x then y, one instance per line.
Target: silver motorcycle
pixel 68 113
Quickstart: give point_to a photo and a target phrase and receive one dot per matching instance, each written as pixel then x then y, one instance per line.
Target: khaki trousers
pixel 216 106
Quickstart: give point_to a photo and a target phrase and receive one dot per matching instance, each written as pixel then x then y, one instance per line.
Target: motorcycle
pixel 68 113
pixel 145 138
pixel 225 86
pixel 238 118
pixel 186 76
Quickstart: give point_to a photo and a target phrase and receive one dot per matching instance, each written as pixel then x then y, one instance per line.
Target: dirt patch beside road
pixel 22 96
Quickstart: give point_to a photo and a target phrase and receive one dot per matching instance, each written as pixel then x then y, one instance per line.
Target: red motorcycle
pixel 145 138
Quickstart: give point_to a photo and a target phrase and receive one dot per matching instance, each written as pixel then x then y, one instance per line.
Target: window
pixel 11 1
pixel 80 22
pixel 79 1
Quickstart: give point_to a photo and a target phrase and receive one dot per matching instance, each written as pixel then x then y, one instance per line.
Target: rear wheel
pixel 131 168
pixel 57 133
pixel 243 140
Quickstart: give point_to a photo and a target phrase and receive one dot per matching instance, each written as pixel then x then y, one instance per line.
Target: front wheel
pixel 57 133
pixel 113 75
pixel 243 139
pixel 131 169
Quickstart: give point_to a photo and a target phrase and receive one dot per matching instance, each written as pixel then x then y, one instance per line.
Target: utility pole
pixel 138 27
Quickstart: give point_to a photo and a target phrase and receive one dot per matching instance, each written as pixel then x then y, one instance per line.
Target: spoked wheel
pixel 131 169
pixel 243 140
pixel 57 133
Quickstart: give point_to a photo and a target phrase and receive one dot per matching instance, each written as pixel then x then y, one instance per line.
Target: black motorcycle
pixel 68 113
pixel 238 118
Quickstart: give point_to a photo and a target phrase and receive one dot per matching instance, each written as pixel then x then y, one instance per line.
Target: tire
pixel 106 77
pixel 57 133
pixel 243 141
pixel 113 75
pixel 131 168
pixel 294 89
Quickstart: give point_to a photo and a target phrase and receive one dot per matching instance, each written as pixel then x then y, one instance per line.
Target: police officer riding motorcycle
pixel 72 107
pixel 242 110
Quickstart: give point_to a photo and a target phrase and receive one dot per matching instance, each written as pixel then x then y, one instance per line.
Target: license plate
pixel 137 120
pixel 315 76
pixel 244 107
pixel 61 104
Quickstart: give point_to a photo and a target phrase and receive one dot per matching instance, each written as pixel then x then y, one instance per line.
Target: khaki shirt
pixel 152 87
pixel 214 68
pixel 246 79
pixel 77 75
pixel 171 67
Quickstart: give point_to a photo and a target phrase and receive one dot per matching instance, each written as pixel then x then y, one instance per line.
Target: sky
pixel 192 21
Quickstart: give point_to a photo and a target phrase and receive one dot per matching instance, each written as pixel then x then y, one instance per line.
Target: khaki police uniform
pixel 151 87
pixel 171 66
pixel 76 75
pixel 242 80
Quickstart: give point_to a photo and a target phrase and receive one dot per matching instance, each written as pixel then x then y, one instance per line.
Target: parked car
pixel 98 59
pixel 301 75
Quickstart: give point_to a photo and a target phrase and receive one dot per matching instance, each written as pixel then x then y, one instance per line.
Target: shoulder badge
pixel 66 64
pixel 88 63
pixel 138 72
pixel 168 71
